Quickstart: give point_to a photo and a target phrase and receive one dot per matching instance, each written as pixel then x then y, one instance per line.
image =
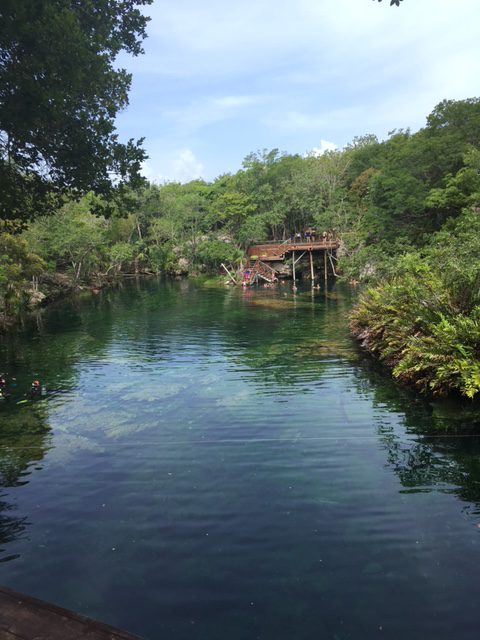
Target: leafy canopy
pixel 59 95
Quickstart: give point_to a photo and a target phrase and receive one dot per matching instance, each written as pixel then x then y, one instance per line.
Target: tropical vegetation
pixel 74 207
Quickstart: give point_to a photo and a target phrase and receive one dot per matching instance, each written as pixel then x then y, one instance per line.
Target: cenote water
pixel 216 463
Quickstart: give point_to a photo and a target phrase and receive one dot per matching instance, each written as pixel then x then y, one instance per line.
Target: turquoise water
pixel 218 463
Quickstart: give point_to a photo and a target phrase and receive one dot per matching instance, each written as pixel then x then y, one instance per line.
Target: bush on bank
pixel 424 323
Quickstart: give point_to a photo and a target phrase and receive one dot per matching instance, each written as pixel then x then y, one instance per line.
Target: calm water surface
pixel 215 464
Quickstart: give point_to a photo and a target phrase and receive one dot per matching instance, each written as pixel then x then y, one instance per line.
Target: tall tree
pixel 59 94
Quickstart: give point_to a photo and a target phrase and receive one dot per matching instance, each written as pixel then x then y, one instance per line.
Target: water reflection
pixel 204 449
pixel 437 445
pixel 24 441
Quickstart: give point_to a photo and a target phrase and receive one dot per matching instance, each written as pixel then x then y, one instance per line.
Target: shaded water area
pixel 218 463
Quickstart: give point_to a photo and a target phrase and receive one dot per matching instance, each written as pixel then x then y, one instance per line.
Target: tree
pixel 59 95
pixel 459 190
pixel 118 254
pixel 72 238
pixel 268 180
pixel 212 253
pixel 18 264
pixel 230 209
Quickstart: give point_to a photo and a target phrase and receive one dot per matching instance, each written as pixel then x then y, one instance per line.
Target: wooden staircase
pixel 262 271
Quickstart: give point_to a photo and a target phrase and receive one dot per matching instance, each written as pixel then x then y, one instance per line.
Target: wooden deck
pixel 25 618
pixel 277 251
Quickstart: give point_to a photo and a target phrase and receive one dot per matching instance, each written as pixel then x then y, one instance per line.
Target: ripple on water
pixel 222 466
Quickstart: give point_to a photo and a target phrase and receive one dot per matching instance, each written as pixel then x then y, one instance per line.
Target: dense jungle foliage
pixel 407 211
pixel 60 91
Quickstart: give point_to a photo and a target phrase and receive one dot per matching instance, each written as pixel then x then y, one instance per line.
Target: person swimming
pixel 4 395
pixel 36 389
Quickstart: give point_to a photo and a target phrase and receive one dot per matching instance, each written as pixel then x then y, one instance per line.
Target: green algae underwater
pixel 215 462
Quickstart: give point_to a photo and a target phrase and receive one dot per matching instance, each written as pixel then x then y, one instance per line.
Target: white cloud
pixel 148 172
pixel 207 110
pixel 188 39
pixel 227 78
pixel 298 121
pixel 180 165
pixel 325 145
pixel 186 167
pixel 294 121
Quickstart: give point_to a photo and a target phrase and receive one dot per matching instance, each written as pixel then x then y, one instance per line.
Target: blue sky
pixel 220 79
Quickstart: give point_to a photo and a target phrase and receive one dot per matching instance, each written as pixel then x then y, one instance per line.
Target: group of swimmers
pixel 36 389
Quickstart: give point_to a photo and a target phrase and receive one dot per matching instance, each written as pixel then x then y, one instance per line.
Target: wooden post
pixel 230 275
pixel 325 265
pixel 312 275
pixel 293 268
pixel 332 265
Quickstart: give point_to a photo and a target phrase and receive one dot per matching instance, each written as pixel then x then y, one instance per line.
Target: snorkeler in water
pixel 36 389
pixel 4 395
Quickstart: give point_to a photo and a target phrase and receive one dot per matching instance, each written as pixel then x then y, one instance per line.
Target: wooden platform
pixel 25 618
pixel 277 251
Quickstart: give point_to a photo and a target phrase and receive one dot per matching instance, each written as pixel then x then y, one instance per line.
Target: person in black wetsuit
pixel 36 389
pixel 4 395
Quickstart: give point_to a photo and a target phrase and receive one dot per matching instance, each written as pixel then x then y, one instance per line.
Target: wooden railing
pixel 262 270
pixel 276 251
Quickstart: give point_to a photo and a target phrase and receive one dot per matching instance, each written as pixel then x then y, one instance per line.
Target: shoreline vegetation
pixel 406 211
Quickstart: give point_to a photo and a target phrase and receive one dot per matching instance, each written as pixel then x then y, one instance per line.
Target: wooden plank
pixel 299 257
pixel 277 251
pixel 230 275
pixel 26 618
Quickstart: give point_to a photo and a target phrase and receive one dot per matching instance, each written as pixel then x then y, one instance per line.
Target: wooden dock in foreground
pixel 26 618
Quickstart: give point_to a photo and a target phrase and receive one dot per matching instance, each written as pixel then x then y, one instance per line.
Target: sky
pixel 220 79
